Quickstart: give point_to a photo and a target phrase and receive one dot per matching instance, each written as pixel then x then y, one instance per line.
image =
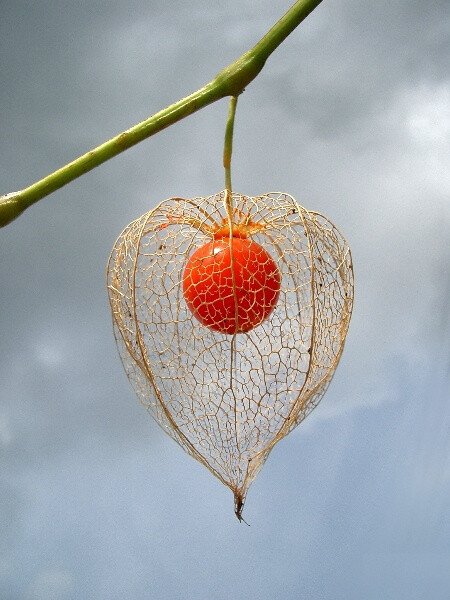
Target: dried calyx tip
pixel 238 507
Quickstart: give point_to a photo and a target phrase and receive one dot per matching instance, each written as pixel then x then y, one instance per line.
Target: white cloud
pixel 428 114
pixel 49 352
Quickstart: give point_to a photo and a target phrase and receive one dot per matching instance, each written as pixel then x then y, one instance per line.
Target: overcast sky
pixel 351 115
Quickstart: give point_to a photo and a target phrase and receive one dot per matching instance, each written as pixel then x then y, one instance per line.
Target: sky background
pixel 351 115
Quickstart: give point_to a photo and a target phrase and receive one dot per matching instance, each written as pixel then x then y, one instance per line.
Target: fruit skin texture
pixel 208 284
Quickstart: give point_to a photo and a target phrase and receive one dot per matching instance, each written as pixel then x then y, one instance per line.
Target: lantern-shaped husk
pixel 228 399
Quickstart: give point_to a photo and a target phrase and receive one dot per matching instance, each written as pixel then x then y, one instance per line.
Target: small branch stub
pixel 10 207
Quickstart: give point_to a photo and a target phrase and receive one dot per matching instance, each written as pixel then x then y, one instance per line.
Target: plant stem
pixel 228 145
pixel 229 82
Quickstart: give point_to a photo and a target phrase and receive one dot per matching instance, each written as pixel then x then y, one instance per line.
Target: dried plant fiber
pixel 227 399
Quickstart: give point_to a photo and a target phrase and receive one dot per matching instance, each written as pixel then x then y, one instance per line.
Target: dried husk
pixel 228 399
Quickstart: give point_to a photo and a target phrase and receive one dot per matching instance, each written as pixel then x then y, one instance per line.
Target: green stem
pixel 229 82
pixel 228 145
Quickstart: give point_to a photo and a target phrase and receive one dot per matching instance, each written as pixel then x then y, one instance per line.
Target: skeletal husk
pixel 228 399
